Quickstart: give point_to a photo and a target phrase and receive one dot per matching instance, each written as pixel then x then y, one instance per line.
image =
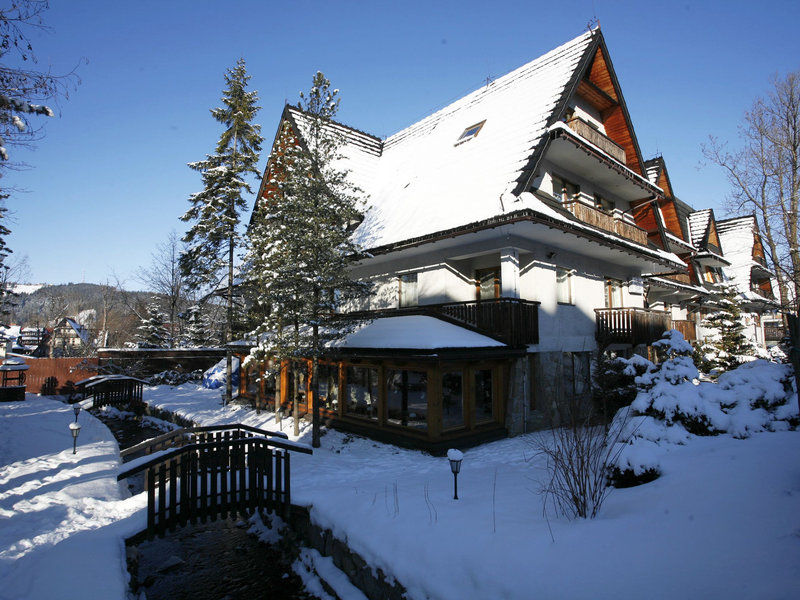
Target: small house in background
pixel 69 338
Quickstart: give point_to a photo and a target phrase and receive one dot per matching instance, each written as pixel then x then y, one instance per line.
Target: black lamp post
pixel 75 429
pixel 455 457
pixel 76 408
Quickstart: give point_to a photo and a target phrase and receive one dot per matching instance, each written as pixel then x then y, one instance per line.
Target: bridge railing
pixel 213 479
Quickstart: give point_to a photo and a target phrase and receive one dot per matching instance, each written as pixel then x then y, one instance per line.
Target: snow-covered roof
pixel 79 329
pixel 422 180
pixel 699 222
pixel 737 237
pixel 414 332
pixel 652 169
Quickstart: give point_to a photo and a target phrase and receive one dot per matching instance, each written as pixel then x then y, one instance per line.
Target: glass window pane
pixel 252 382
pixel 484 396
pixel 328 381
pixel 408 290
pixel 407 398
pixel 361 393
pixel 297 385
pixel 452 400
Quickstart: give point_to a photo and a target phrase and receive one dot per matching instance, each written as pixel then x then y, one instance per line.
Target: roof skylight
pixel 470 132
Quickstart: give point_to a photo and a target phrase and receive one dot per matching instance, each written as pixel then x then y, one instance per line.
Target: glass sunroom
pixel 413 380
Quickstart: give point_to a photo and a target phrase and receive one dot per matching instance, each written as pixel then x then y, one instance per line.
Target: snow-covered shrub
pixel 670 391
pixel 615 381
pixel 175 377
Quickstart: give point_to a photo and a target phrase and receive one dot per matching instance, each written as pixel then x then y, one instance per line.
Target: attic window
pixel 470 132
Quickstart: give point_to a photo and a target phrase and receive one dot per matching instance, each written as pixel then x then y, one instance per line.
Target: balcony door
pixel 488 283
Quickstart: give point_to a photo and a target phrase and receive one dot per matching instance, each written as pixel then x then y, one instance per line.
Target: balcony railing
pixel 679 277
pixel 606 222
pixel 511 320
pixel 630 325
pixel 589 133
pixel 687 328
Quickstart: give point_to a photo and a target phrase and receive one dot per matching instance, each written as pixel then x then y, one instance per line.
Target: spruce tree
pixel 727 343
pixel 152 332
pixel 216 211
pixel 299 240
pixel 197 334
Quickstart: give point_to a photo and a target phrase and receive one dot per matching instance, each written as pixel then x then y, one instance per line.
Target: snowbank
pixel 63 516
pixel 720 523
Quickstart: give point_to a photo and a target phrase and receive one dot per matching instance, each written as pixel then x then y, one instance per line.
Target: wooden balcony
pixel 589 133
pixel 630 325
pixel 606 222
pixel 679 277
pixel 687 328
pixel 511 320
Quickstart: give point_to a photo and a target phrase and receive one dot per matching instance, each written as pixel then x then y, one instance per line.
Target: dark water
pixel 213 561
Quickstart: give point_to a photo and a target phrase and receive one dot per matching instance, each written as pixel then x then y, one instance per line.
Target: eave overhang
pixel 565 147
pixel 711 259
pixel 528 215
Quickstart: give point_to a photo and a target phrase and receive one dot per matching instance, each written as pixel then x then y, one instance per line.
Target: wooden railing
pixel 679 277
pixel 233 475
pixel 589 133
pixel 606 222
pixel 510 320
pixel 630 325
pixel 687 328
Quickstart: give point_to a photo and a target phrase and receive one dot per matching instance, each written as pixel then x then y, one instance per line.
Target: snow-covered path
pixel 63 517
pixel 723 521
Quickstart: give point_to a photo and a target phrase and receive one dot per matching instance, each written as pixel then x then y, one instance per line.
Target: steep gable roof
pixel 699 221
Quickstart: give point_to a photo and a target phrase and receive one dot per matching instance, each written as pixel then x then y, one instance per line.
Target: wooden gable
pixel 671 219
pixel 645 217
pixel 758 249
pixel 599 87
pixel 712 238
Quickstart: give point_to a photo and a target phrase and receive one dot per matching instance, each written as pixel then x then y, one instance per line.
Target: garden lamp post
pixel 455 457
pixel 76 408
pixel 74 429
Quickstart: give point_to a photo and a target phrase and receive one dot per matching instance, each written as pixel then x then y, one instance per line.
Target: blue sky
pixel 109 180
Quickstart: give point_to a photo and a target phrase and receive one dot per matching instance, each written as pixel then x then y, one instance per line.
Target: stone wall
pixel 374 583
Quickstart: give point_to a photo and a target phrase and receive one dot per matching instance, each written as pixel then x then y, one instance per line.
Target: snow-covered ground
pixel 721 522
pixel 63 516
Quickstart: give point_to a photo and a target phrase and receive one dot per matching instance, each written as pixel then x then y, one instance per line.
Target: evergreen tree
pixel 152 331
pixel 299 240
pixel 197 327
pixel 727 344
pixel 215 211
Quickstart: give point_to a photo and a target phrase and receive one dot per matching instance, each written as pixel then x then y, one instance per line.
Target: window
pixel 328 382
pixel 470 132
pixel 407 398
pixel 452 400
pixel 564 190
pixel 408 290
pixel 563 285
pixel 575 374
pixel 613 293
pixel 484 396
pixel 297 382
pixel 361 392
pixel 488 283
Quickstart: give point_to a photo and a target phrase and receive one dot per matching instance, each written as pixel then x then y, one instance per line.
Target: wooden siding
pixel 687 328
pixel 671 220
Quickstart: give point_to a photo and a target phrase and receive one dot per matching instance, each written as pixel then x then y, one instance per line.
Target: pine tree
pixel 727 343
pixel 197 328
pixel 216 211
pixel 299 241
pixel 152 332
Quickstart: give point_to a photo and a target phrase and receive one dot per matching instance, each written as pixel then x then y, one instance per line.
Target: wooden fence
pixel 229 476
pixel 50 376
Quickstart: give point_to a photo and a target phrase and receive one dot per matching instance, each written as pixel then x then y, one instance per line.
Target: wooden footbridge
pixel 199 473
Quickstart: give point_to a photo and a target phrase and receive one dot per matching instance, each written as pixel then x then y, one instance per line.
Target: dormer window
pixel 470 132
